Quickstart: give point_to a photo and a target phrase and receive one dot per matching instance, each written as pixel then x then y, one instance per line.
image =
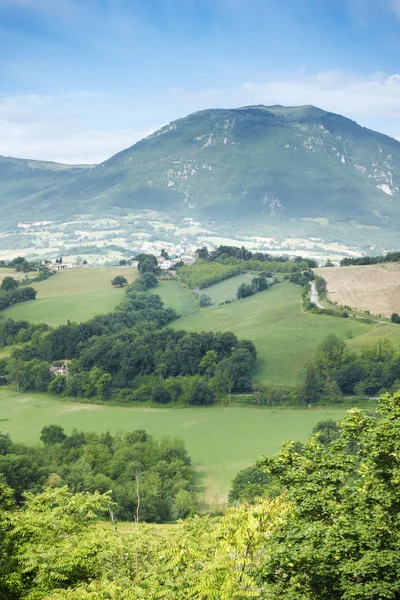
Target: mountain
pixel 254 165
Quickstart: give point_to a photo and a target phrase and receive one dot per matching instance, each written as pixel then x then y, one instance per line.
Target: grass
pixel 226 290
pixel 284 335
pixel 220 441
pixel 75 295
pixel 4 272
pixel 175 296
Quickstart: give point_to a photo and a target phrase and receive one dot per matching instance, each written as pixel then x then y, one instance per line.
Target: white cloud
pixel 70 128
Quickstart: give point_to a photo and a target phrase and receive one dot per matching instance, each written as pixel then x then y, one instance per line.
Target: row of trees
pixel 224 252
pixel 371 260
pixel 334 532
pixel 258 284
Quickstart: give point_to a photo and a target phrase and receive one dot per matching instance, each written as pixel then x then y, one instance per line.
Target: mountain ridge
pixel 248 164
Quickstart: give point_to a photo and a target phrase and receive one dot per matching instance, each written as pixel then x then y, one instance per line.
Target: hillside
pixel 257 166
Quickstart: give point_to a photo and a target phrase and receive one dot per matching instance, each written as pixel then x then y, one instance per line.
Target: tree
pixel 52 434
pixel 204 299
pixel 119 281
pixel 203 252
pixel 328 431
pixel 342 538
pixel 252 483
pixel 244 290
pixel 8 284
pixel 395 318
pixel 259 283
pixel 147 263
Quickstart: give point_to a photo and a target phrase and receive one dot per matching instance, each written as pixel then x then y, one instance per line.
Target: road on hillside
pixel 314 295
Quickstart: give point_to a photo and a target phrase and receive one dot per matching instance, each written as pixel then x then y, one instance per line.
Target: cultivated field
pixel 284 335
pixel 75 295
pixel 371 287
pixel 219 441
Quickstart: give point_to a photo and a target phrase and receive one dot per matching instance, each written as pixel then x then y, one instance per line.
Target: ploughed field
pixel 220 441
pixel 74 295
pixel 365 287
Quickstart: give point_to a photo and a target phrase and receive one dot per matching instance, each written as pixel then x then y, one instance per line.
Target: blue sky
pixel 83 79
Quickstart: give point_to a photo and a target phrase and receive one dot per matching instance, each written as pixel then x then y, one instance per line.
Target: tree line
pixel 14 295
pixel 223 252
pixel 370 260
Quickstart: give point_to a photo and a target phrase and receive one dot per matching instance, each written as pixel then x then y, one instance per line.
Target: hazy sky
pixel 83 79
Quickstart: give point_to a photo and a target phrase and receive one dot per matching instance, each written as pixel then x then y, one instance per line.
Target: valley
pixel 220 441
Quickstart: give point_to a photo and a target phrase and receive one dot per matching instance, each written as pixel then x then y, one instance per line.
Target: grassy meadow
pixel 75 295
pixel 175 296
pixel 220 441
pixel 226 290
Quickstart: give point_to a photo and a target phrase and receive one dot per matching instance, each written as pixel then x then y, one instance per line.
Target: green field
pixel 284 335
pixel 75 295
pixel 175 296
pixel 220 441
pixel 226 290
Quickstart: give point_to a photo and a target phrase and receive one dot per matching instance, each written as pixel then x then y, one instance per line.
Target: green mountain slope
pixel 257 165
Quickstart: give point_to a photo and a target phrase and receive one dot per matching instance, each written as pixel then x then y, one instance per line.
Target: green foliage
pixel 119 281
pixel 341 540
pixel 52 434
pixel 284 335
pixel 204 300
pixel 335 370
pixel 244 291
pixel 252 483
pixel 143 476
pixel 203 273
pixel 16 295
pixel 8 284
pixel 147 263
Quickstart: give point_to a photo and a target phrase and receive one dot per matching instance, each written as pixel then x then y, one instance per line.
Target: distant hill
pixel 254 165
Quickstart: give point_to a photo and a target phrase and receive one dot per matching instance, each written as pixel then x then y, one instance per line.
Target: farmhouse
pixel 56 267
pixel 62 370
